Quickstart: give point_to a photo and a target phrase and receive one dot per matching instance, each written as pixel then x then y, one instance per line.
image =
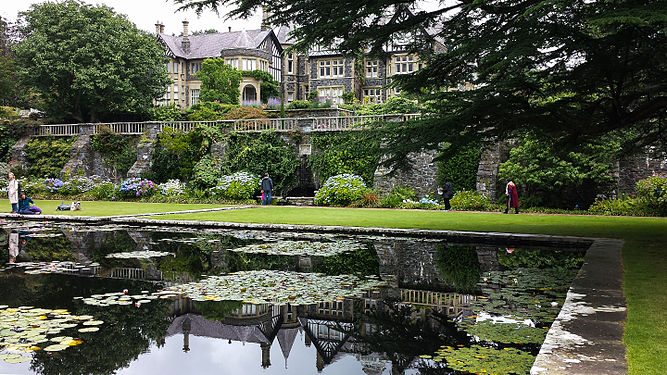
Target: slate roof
pixel 209 45
pixel 199 326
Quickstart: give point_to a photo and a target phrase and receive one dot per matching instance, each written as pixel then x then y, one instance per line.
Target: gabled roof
pixel 209 45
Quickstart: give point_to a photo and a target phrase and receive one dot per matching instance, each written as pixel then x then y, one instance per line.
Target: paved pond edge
pixel 585 339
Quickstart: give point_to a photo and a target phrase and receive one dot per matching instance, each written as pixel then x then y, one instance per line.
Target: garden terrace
pixel 290 124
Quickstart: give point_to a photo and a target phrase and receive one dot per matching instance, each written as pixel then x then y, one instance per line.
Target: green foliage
pixel 237 186
pixel 470 200
pixel 651 200
pixel 176 153
pixel 208 111
pixel 395 104
pixel 346 152
pixel 206 173
pixel 244 113
pixel 47 249
pixel 369 199
pixel 104 191
pixel 262 153
pixel 47 156
pixel 89 63
pixel 166 113
pixel 459 266
pixel 363 262
pixel 299 104
pixel 341 190
pixel 533 258
pixel 219 82
pixel 479 359
pixel 118 151
pixel 460 167
pixel 219 310
pixel 269 88
pixel 397 196
pixel 557 178
pixel 11 130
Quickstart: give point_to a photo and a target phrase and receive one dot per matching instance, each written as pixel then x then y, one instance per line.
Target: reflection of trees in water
pixel 126 333
pixel 364 262
pixel 459 265
pixel 404 333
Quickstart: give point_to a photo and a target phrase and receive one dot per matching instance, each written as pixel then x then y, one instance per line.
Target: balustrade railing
pixel 315 124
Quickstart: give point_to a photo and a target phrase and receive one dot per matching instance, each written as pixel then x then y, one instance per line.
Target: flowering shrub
pixel 653 188
pixel 240 185
pixel 425 203
pixel 137 187
pixel 53 184
pixel 341 190
pixel 80 184
pixel 172 188
pixel 470 200
pixel 651 199
pixel 398 195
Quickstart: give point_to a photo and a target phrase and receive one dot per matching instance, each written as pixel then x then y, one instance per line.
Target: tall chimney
pixel 266 16
pixel 185 43
pixel 185 28
pixel 161 28
pixel 229 28
pixel 157 27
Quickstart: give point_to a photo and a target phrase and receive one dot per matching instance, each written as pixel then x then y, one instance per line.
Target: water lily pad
pixel 89 329
pixel 93 323
pixel 55 348
pixel 18 359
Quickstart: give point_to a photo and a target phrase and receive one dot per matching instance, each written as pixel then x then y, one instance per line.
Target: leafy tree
pixel 556 179
pixel 89 63
pixel 219 82
pixel 574 69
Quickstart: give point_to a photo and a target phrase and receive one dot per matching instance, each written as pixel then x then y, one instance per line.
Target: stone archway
pixel 249 93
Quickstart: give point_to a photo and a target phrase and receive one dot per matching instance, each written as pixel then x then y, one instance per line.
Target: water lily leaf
pixel 89 329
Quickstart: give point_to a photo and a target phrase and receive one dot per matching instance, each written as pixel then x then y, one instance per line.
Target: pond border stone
pixel 585 339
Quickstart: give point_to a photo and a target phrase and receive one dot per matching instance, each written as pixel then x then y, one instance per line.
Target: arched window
pixel 249 94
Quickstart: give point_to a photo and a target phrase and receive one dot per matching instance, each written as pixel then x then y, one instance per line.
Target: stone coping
pixel 585 339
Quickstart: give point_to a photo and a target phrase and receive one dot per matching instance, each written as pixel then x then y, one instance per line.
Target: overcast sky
pixel 145 13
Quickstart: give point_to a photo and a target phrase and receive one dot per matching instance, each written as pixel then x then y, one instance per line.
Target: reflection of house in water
pixel 336 329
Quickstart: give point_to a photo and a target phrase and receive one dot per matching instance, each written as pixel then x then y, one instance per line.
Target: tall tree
pixel 568 70
pixel 219 82
pixel 89 63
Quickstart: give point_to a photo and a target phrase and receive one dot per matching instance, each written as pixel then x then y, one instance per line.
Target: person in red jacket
pixel 512 197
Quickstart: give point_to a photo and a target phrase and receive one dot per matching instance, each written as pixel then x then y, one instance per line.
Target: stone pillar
pixel 18 157
pixel 145 150
pixel 84 160
pixel 487 172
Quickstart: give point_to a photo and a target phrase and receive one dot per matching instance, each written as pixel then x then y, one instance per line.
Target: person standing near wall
pixel 512 196
pixel 13 192
pixel 267 187
pixel 447 193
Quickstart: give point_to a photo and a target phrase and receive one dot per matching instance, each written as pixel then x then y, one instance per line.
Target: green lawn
pixel 101 208
pixel 644 254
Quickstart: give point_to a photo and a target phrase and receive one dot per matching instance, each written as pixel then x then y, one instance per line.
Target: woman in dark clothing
pixel 512 197
pixel 447 193
pixel 25 207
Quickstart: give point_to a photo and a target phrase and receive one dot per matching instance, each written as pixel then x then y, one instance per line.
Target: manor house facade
pixel 321 70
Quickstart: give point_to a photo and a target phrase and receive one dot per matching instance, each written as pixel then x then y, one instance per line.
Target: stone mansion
pixel 324 71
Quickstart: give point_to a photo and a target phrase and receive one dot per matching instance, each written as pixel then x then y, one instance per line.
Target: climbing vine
pixel 350 152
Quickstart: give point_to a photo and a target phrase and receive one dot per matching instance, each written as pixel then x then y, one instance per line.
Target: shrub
pixel 104 191
pixel 208 111
pixel 460 166
pixel 341 190
pixel 425 203
pixel 166 113
pixel 47 156
pixel 172 188
pixel 53 185
pixel 261 153
pixel 652 193
pixel 245 113
pixel 80 184
pixel 137 187
pixel 299 104
pixel 206 173
pixel 397 196
pixel 239 185
pixel 470 200
pixel 346 152
pixel 176 154
pixel 370 198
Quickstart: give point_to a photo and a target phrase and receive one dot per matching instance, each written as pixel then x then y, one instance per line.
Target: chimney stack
pixel 185 43
pixel 230 29
pixel 159 27
pixel 266 16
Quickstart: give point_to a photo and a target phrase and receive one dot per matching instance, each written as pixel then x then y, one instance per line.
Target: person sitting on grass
pixel 27 207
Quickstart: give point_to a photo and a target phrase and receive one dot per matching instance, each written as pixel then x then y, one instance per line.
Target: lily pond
pixel 80 299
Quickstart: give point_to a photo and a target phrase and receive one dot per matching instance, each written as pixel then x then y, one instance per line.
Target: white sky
pixel 145 13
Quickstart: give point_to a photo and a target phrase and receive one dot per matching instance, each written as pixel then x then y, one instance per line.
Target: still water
pixel 172 301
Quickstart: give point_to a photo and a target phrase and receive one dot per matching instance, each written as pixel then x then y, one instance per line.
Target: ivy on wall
pixel 461 168
pixel 47 156
pixel 118 151
pixel 355 152
pixel 262 153
pixel 269 88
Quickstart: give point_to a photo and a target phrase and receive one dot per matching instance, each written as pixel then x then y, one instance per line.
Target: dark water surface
pixel 470 301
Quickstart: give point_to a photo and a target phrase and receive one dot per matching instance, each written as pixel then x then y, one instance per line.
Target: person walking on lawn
pixel 447 193
pixel 512 197
pixel 13 192
pixel 267 187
